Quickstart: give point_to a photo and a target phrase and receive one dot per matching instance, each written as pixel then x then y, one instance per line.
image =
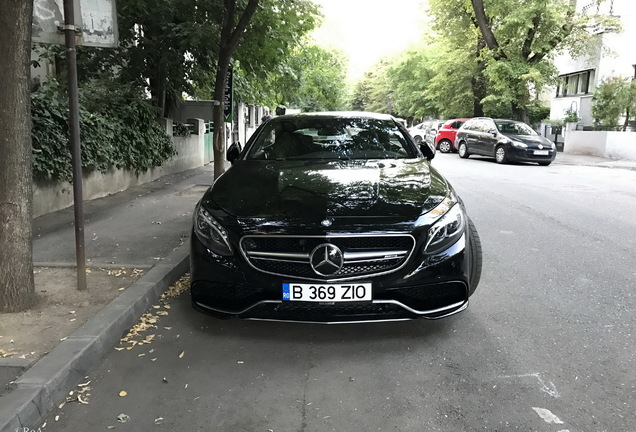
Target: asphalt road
pixel 547 343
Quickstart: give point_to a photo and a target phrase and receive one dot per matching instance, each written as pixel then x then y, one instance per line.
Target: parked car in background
pixel 505 140
pixel 431 131
pixel 445 138
pixel 331 218
pixel 418 132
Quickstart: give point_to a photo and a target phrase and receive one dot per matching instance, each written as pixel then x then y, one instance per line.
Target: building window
pixel 579 83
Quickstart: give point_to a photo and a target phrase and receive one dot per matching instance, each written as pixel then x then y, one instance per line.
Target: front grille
pixel 363 256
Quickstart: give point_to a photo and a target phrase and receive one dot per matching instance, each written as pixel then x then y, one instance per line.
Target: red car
pixel 445 138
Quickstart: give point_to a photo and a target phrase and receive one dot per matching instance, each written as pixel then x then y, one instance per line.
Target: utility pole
pixel 70 29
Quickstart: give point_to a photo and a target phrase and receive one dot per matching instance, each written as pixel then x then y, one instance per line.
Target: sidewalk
pixel 585 160
pixel 136 244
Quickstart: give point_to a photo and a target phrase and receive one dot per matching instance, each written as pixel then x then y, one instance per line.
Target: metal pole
pixel 76 152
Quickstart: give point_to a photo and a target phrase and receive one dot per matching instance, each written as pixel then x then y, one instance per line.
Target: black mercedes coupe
pixel 332 218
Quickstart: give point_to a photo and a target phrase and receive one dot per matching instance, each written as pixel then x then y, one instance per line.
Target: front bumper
pixel 516 154
pixel 430 287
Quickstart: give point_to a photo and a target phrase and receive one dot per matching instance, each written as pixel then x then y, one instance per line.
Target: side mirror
pixel 493 132
pixel 428 150
pixel 233 152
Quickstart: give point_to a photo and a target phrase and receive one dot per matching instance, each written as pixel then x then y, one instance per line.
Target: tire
pixel 445 146
pixel 500 155
pixel 475 256
pixel 417 139
pixel 544 163
pixel 463 150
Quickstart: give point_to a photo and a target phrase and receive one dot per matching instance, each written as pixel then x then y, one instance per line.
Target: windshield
pixel 514 128
pixel 330 138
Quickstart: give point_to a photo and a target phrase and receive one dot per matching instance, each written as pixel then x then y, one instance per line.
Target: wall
pixel 614 145
pixel 52 196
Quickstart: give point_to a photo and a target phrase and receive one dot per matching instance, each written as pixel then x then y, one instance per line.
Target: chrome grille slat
pixel 364 256
pixel 282 255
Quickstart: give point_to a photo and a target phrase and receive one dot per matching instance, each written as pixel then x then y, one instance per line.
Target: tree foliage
pixel 614 98
pixel 522 37
pixel 310 78
pixel 123 133
pixel 483 58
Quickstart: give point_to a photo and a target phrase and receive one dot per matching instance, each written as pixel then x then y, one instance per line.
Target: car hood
pixel 309 189
pixel 532 141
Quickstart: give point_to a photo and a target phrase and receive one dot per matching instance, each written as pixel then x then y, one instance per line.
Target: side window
pixel 479 126
pixel 457 124
pixel 469 125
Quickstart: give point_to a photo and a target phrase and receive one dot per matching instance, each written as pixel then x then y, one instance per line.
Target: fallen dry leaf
pixel 123 393
pixel 123 418
pixel 181 355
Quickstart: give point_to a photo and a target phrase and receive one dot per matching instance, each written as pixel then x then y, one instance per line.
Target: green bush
pixel 118 128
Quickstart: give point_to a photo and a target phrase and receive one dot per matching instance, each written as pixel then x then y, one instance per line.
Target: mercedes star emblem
pixel 326 259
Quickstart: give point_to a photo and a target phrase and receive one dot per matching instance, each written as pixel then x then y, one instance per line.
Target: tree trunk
pixel 520 113
pixel 17 292
pixel 231 35
pixel 218 114
pixel 478 82
pixel 626 120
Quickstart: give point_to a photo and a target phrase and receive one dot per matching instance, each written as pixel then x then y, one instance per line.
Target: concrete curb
pixel 47 382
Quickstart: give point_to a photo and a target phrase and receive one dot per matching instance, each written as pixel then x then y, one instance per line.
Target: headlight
pixel 518 144
pixel 448 229
pixel 211 233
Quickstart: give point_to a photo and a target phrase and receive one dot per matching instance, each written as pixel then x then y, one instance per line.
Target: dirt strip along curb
pixel 46 384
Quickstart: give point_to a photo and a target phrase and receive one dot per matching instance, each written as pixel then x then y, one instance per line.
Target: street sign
pixel 228 96
pixel 95 19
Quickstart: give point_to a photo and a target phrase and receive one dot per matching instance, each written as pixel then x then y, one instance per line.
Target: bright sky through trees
pixel 367 30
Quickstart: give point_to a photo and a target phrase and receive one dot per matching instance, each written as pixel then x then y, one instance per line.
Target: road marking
pixel 547 416
pixel 546 386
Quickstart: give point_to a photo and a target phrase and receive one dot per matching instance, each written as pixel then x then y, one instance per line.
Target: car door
pixel 478 136
pixel 451 133
pixel 489 138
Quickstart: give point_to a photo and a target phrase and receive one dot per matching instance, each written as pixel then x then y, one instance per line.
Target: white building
pixel 615 56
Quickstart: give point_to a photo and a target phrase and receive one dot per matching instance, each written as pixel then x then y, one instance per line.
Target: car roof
pixel 507 121
pixel 338 114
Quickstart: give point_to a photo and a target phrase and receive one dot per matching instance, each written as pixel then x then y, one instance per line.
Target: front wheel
pixel 463 150
pixel 445 146
pixel 417 139
pixel 475 255
pixel 500 155
pixel 545 163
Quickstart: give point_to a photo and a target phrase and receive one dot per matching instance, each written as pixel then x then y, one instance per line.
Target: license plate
pixel 346 292
pixel 541 152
